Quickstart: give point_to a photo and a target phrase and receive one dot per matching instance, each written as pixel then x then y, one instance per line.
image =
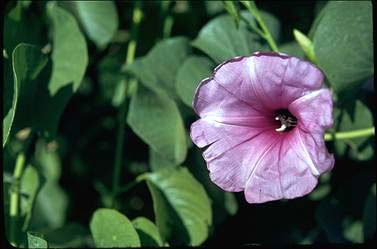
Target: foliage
pixel 81 78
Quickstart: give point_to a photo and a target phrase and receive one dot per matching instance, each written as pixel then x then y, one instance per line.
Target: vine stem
pixel 137 15
pixel 265 33
pixel 14 206
pixel 350 134
pixel 168 19
pixel 130 185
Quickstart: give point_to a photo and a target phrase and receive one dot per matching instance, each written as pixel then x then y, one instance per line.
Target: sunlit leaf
pixel 181 205
pixel 110 228
pixel 99 19
pixel 148 232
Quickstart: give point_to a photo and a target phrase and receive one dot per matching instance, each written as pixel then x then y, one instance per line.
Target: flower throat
pixel 287 120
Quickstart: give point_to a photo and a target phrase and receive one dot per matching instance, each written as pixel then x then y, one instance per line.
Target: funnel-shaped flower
pixel 263 119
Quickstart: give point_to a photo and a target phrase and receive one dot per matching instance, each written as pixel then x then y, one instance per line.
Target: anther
pixel 287 120
pixel 282 128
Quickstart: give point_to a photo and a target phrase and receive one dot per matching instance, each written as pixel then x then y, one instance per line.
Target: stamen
pixel 282 128
pixel 287 120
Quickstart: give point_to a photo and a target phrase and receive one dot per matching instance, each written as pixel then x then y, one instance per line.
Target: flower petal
pixel 225 93
pixel 314 111
pixel 311 146
pixel 230 166
pixel 278 80
pixel 282 173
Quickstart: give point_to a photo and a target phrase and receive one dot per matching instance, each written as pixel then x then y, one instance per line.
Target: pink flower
pixel 263 119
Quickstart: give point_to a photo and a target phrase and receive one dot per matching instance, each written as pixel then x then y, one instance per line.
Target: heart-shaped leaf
pixel 148 232
pixel 193 70
pixel 27 63
pixel 110 228
pixel 222 40
pixel 343 43
pixel 155 118
pixel 181 205
pixel 98 18
pixel 157 70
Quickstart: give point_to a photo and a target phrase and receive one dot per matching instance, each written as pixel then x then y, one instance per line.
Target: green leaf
pixel 181 205
pixel 353 230
pixel 230 203
pixel 63 77
pixel 110 228
pixel 329 216
pixel 221 40
pixel 98 18
pixel 157 70
pixel 30 185
pixel 157 121
pixel 148 232
pixel 323 189
pixel 343 43
pixel 68 236
pixel 223 203
pixel 291 48
pixel 15 31
pixel 233 11
pixel 354 116
pixel 369 215
pixel 272 24
pixel 157 162
pixel 193 70
pixel 111 79
pixel 52 202
pixel 69 51
pixel 27 62
pixel 35 241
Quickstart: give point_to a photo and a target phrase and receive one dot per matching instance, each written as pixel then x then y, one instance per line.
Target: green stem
pixel 168 19
pixel 120 142
pixel 252 8
pixel 131 51
pixel 350 134
pixel 14 205
pixel 132 184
